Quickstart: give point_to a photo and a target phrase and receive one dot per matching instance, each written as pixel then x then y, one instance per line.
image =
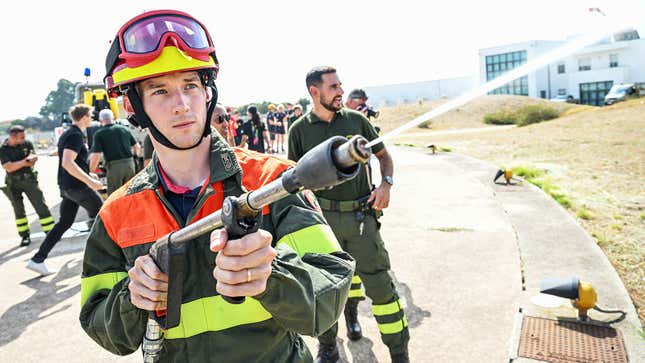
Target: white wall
pixel 631 65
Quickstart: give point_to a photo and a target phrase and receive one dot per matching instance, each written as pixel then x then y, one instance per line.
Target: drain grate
pixel 570 342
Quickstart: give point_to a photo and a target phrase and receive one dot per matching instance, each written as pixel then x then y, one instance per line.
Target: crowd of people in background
pixel 264 133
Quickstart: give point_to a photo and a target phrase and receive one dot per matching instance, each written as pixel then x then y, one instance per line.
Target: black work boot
pixel 25 241
pixel 400 358
pixel 327 353
pixel 354 331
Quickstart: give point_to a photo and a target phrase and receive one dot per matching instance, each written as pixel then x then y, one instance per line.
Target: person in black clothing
pixel 77 185
pixel 254 132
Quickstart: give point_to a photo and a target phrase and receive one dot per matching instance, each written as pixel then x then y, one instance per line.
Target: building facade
pixel 394 94
pixel 586 75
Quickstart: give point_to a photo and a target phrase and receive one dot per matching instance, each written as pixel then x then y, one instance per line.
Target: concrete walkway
pixel 467 256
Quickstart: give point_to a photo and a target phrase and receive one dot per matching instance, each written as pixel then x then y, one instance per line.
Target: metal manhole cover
pixel 570 342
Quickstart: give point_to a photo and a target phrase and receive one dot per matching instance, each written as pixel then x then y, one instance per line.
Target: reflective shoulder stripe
pixel 215 314
pixel 318 238
pixel 356 279
pixel 92 284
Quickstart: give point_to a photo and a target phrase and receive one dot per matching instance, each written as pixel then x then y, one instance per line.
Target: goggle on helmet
pixel 157 43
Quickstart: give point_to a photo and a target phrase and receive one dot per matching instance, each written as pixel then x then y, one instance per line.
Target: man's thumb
pixel 219 237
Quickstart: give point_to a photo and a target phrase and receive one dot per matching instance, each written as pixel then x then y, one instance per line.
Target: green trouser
pixel 118 173
pixel 372 266
pixel 27 184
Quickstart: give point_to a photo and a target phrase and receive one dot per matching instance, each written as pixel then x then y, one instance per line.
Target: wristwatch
pixel 388 179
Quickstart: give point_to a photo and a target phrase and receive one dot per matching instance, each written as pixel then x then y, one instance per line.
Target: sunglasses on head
pixel 223 117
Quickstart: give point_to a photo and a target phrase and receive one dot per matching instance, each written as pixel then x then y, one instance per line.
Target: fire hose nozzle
pixel 330 163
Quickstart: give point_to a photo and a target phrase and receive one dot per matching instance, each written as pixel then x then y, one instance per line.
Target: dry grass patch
pixel 592 160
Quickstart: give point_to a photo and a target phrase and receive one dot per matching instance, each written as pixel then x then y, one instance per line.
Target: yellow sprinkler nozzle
pixel 582 294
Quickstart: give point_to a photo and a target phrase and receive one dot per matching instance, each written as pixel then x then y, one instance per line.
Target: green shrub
pixel 527 172
pixel 503 117
pixel 526 115
pixel 531 114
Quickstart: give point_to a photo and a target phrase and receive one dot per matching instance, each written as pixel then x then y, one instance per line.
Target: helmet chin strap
pixel 144 121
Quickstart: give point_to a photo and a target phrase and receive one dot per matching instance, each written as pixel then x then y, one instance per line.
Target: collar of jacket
pixel 222 160
pixel 313 118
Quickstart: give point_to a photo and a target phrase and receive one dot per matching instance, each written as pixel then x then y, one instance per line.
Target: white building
pixel 586 75
pixel 395 94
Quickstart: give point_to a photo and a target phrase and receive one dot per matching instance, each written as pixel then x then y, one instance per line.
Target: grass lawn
pixel 591 160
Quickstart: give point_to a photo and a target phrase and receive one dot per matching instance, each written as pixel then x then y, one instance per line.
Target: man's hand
pixel 32 158
pixel 242 266
pixel 148 285
pixel 95 184
pixel 380 196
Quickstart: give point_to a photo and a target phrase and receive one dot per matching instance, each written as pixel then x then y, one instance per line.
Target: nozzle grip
pixel 239 220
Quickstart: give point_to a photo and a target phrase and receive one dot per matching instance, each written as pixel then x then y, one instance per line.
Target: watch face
pixel 388 179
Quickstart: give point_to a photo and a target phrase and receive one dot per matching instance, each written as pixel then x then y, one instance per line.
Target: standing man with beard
pixel 352 210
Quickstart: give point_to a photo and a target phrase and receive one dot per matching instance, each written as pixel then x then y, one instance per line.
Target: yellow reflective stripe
pixel 215 314
pixel 356 279
pixel 48 227
pixel 46 220
pixel 355 293
pixel 23 228
pixel 392 328
pixel 387 309
pixel 92 284
pixel 22 220
pixel 318 238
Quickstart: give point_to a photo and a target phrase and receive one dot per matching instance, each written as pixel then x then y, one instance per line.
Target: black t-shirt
pixel 255 137
pixel 16 153
pixel 72 139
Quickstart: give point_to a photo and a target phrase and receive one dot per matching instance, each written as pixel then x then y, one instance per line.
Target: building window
pixel 562 91
pixel 584 64
pixel 561 68
pixel 498 64
pixel 613 60
pixel 594 93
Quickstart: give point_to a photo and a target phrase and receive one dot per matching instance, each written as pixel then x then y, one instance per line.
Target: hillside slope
pixel 596 158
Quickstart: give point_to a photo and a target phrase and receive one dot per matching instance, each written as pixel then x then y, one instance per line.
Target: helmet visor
pixel 145 35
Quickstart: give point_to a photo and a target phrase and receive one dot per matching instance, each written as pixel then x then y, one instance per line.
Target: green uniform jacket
pixel 309 131
pixel 305 292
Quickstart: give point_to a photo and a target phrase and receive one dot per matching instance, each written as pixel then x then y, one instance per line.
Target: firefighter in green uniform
pixel 292 272
pixel 116 143
pixel 18 158
pixel 347 210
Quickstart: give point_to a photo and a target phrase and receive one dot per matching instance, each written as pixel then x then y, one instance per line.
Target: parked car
pixel 621 92
pixel 562 98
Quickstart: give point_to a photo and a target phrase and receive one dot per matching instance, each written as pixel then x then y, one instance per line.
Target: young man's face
pixel 331 92
pixel 176 104
pixel 16 138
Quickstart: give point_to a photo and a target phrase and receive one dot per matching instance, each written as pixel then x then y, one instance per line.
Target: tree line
pixel 60 100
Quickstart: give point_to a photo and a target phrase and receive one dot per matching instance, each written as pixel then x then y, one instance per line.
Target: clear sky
pixel 266 47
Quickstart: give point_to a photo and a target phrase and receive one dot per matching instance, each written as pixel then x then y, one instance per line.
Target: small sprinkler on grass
pixel 433 147
pixel 507 173
pixel 582 295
